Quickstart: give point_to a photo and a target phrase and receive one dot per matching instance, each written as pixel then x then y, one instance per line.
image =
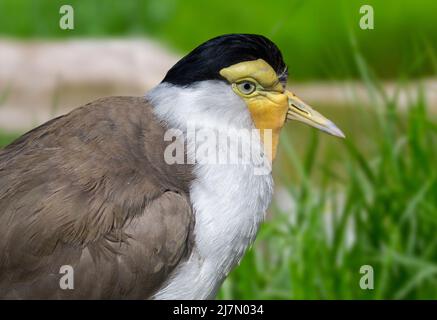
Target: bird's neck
pixel 212 104
pixel 230 200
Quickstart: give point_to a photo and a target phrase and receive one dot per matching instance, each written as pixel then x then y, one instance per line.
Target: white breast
pixel 229 200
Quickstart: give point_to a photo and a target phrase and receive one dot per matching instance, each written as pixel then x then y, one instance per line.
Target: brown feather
pixel 91 189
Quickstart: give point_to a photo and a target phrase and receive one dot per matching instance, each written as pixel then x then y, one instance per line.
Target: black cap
pixel 206 61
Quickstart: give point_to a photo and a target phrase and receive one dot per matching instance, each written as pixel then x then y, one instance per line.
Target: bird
pixel 99 193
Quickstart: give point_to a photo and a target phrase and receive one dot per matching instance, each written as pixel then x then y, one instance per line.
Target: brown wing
pixel 91 190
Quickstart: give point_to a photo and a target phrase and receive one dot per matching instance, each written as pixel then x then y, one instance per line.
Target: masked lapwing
pixel 95 204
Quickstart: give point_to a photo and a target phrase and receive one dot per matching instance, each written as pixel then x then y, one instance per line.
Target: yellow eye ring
pixel 246 87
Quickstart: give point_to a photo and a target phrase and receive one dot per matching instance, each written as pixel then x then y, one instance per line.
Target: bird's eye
pixel 246 87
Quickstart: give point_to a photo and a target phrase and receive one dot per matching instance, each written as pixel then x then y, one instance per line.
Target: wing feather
pixel 90 189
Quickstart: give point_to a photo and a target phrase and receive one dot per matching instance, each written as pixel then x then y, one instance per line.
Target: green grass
pixel 313 35
pixel 367 200
pixel 360 207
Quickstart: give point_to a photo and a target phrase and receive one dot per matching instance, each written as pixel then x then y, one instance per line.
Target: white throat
pixel 229 200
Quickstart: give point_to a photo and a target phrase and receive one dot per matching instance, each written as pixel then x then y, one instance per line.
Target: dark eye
pixel 246 87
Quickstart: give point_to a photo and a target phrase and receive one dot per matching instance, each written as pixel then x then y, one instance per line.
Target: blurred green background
pixel 368 200
pixel 315 36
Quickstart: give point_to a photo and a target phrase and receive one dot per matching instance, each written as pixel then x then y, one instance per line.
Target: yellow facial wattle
pixel 268 104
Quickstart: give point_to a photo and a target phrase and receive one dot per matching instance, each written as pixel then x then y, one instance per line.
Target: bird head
pixel 253 67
